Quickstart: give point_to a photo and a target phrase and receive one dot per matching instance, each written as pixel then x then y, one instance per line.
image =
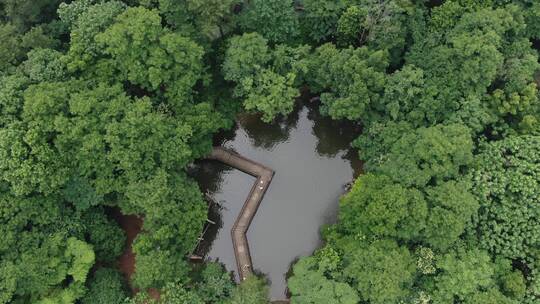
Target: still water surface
pixel 312 160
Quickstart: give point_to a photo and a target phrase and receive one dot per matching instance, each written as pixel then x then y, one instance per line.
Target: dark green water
pixel 312 160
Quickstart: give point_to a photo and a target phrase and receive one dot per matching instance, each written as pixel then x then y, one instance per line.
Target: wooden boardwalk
pixel 264 177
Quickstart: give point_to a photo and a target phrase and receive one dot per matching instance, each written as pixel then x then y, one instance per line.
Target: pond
pixel 313 162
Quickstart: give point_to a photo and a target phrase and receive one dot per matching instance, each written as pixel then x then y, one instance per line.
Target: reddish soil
pixel 132 226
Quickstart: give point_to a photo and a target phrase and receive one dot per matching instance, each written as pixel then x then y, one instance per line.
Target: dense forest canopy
pixel 104 104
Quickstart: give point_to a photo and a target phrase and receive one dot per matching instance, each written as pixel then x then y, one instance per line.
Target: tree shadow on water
pixel 209 174
pixel 333 136
pixel 268 135
pixel 211 230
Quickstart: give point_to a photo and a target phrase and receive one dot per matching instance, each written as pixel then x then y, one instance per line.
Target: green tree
pixel 106 286
pixel 40 271
pixel 319 19
pixel 176 224
pixel 404 88
pixel 212 284
pixel 516 102
pixel 381 271
pixel 252 290
pixel 270 93
pixel 45 65
pixel 276 20
pixel 179 294
pixel 106 237
pixel 429 155
pixel 215 284
pixel 452 207
pixel 151 56
pixel 35 263
pixel 507 185
pixel 479 53
pixel 420 157
pixel 11 97
pixel 490 296
pixel 68 13
pixel 310 285
pixel 155 268
pixel 381 25
pixel 245 55
pixel 427 167
pixel 86 21
pixel 350 80
pixel 15 45
pixel 11 52
pixel 25 170
pixel 202 20
pixel 23 14
pixel 532 14
pixel 377 139
pixel 465 274
pixel 377 207
pixel 266 79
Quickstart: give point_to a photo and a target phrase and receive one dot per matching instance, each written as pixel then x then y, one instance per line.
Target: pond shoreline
pixel 312 156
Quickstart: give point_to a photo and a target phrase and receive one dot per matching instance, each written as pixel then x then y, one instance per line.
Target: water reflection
pixel 268 135
pixel 333 136
pixel 312 160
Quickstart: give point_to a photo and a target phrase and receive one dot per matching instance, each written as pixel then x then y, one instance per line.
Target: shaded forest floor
pixel 132 226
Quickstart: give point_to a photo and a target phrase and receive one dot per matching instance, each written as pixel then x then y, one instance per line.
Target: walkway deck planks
pixel 239 230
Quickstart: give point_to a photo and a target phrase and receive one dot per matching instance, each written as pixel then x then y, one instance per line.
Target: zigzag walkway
pixel 264 177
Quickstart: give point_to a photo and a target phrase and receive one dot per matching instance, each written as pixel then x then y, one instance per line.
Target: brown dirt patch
pixel 132 226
